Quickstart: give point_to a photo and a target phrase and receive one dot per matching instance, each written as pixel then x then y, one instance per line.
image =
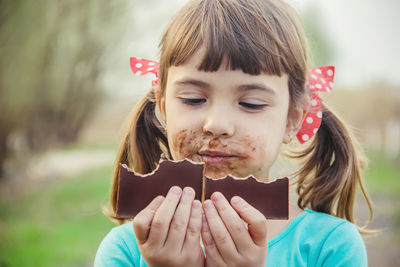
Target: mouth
pixel 216 157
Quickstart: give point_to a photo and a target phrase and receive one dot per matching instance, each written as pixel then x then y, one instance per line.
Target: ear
pixel 295 119
pixel 160 98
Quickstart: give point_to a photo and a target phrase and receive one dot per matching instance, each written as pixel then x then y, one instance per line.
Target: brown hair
pixel 255 36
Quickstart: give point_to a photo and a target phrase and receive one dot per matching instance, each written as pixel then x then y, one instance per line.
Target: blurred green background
pixel 66 89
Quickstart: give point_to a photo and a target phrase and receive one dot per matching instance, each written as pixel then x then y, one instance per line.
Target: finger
pixel 233 223
pixel 213 257
pixel 220 234
pixel 192 237
pixel 179 224
pixel 257 223
pixel 142 221
pixel 162 218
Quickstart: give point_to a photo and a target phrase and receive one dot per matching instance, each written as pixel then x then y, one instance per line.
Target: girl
pixel 232 88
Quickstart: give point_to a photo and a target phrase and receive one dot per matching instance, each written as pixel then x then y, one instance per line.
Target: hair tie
pixel 144 66
pixel 320 79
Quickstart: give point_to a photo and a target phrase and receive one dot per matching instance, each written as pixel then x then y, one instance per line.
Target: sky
pixel 365 35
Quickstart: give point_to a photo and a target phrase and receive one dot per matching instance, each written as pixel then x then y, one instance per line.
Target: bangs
pixel 244 33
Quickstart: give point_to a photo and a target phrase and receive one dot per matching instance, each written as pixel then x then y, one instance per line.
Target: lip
pixel 215 156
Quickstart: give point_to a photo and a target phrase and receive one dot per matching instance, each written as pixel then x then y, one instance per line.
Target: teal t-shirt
pixel 311 239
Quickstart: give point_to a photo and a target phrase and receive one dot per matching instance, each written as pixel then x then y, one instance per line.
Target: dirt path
pixel 65 164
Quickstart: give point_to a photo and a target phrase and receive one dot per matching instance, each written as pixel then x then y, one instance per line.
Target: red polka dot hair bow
pixel 144 66
pixel 319 80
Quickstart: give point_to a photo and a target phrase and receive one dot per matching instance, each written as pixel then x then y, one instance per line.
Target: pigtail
pixel 334 164
pixel 146 136
pixel 141 146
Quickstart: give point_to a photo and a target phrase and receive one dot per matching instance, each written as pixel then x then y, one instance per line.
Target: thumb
pixel 257 223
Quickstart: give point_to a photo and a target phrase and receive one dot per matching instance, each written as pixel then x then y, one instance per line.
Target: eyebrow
pixel 193 82
pixel 256 86
pixel 242 87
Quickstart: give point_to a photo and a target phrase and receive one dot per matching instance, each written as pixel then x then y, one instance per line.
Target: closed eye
pixel 252 106
pixel 192 101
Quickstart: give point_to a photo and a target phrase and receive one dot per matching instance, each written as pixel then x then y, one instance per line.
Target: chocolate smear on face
pixel 188 144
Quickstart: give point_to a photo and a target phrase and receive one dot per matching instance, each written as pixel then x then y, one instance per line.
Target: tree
pixel 50 67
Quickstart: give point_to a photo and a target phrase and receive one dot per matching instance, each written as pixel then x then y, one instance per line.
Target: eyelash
pixel 198 101
pixel 252 106
pixel 193 101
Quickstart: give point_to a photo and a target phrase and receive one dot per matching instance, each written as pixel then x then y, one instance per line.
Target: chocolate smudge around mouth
pixel 187 144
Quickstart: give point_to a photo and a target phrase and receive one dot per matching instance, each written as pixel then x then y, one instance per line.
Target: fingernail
pixel 208 204
pixel 188 191
pixel 216 196
pixel 196 204
pixel 159 199
pixel 176 190
pixel 236 199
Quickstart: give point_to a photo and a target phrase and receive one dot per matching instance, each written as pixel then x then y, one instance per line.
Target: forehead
pixel 192 68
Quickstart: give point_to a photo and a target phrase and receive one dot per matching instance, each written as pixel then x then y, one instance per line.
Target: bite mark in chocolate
pixel 136 191
pixel 271 199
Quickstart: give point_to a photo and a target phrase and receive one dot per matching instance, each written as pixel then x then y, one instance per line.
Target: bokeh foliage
pixel 50 66
pixel 321 52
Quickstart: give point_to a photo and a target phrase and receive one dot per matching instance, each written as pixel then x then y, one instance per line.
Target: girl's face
pixel 233 122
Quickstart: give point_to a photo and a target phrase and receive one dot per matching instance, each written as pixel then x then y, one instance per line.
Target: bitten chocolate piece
pixel 136 191
pixel 271 199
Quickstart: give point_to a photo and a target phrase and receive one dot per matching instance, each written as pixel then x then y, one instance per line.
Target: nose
pixel 219 122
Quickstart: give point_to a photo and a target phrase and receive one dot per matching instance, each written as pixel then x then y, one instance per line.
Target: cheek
pixel 183 143
pixel 254 148
pixel 262 152
pixel 181 134
pixel 271 145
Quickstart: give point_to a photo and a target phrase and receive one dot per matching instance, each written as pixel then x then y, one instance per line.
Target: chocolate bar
pixel 136 191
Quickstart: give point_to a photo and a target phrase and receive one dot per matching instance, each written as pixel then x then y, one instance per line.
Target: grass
pixel 60 224
pixel 90 147
pixel 382 176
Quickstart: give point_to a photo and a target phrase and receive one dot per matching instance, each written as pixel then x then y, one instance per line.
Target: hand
pixel 168 230
pixel 227 240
